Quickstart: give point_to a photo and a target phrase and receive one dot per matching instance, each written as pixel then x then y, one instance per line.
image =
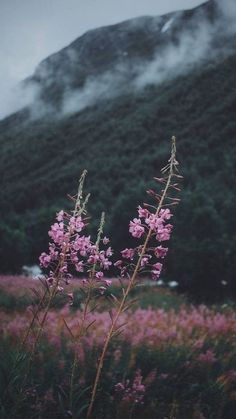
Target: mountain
pixel 112 58
pixel 121 136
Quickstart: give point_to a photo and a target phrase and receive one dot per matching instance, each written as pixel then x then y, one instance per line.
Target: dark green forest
pixel 123 143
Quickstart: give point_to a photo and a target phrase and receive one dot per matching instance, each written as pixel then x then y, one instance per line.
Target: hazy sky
pixel 30 30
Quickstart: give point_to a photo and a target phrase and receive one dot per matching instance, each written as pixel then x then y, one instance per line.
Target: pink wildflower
pixel 156 271
pixel 109 252
pixel 160 252
pixel 135 228
pixel 93 259
pixel 79 266
pixel 119 264
pixel 207 358
pixel 73 257
pixel 164 233
pixel 76 224
pixel 63 268
pixel 105 240
pixel 132 392
pixel 165 214
pixel 57 233
pixel 127 253
pixel 143 212
pixel 107 282
pixel 44 260
pixel 53 252
pixel 145 261
pixel 154 222
pixel 82 244
pixel 60 216
pixel 99 275
pixel 104 262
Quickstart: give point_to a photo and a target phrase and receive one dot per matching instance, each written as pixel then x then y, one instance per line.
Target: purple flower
pixel 135 228
pixel 127 253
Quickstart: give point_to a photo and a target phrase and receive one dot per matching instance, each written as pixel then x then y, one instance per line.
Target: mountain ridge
pixel 123 48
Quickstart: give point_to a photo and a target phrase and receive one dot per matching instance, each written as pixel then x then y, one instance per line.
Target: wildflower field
pixel 76 343
pixel 167 363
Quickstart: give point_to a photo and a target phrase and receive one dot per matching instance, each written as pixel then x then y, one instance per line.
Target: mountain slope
pixel 123 141
pixel 116 55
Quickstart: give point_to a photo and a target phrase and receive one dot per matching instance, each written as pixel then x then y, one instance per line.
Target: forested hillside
pixel 123 141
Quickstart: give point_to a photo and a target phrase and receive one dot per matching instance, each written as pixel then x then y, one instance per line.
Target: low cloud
pixel 110 84
pixel 228 8
pixel 176 60
pixel 195 47
pixel 16 97
pixel 192 46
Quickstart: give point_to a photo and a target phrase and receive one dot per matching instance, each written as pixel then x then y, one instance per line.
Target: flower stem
pixel 171 167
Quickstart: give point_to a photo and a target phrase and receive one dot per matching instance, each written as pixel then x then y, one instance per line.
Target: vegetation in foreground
pixel 173 360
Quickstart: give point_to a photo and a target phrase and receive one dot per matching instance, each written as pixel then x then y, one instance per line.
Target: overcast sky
pixel 30 30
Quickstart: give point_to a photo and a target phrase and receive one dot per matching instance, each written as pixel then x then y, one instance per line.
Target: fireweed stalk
pixel 153 225
pixel 91 285
pixel 71 251
pixel 57 259
pixel 63 234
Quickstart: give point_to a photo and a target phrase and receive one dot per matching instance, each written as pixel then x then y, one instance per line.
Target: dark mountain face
pixel 119 54
pixel 122 139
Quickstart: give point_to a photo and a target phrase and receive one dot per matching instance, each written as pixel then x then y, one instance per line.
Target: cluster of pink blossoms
pixel 132 392
pixel 156 222
pixel 71 250
pixel 160 232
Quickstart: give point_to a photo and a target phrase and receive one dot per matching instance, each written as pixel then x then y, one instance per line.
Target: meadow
pixel 173 359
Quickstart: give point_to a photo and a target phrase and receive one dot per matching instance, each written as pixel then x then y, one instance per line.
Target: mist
pixel 16 97
pixel 228 8
pixel 194 48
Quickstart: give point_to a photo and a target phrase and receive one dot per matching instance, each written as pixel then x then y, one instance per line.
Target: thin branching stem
pixel 170 169
pixel 85 311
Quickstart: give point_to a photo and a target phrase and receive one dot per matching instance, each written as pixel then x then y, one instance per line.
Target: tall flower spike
pixel 71 249
pixel 153 222
pixel 139 229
